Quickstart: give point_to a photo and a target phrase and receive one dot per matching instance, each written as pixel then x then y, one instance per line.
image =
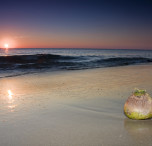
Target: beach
pixel 73 108
pixel 75 73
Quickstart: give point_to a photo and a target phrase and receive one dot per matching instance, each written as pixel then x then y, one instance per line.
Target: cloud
pixel 20 37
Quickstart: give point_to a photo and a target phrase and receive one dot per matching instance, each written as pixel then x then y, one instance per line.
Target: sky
pixel 114 24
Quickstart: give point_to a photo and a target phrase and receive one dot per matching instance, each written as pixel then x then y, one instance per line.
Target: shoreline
pixel 55 71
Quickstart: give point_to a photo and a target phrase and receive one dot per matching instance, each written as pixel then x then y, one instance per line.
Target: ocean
pixel 14 62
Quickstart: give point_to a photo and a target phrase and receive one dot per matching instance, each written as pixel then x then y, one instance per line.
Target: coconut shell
pixel 138 107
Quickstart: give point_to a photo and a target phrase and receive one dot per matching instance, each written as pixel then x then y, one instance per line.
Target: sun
pixel 6 45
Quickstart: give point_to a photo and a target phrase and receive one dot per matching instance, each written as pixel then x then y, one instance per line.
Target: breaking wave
pixel 58 62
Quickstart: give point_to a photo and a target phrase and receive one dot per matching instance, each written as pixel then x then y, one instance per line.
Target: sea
pixel 19 61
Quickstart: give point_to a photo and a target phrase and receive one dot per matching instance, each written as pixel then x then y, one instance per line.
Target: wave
pixel 47 61
pixel 121 61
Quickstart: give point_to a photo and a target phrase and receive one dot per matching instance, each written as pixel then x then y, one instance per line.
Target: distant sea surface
pixel 15 62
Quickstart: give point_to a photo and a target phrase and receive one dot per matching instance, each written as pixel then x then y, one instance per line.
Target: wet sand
pixel 73 108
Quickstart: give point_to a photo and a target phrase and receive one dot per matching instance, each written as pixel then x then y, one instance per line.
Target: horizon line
pixel 83 48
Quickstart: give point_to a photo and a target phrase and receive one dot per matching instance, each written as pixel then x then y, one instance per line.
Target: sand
pixel 73 108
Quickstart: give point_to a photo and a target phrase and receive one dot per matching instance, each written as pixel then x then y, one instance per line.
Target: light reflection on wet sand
pixel 11 104
pixel 7 100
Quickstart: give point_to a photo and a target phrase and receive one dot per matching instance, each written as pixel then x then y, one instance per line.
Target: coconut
pixel 139 105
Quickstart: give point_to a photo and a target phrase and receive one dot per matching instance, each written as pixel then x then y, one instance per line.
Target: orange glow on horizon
pixel 69 41
pixel 7 43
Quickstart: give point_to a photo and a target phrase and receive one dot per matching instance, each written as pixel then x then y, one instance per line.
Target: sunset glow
pixel 79 24
pixel 8 42
pixel 5 45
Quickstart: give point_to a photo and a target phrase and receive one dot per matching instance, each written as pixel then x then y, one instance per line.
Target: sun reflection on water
pixel 6 52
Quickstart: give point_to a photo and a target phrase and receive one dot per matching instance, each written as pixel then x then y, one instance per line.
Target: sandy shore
pixel 73 108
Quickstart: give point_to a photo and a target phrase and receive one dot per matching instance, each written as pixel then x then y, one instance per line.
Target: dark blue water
pixel 20 61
